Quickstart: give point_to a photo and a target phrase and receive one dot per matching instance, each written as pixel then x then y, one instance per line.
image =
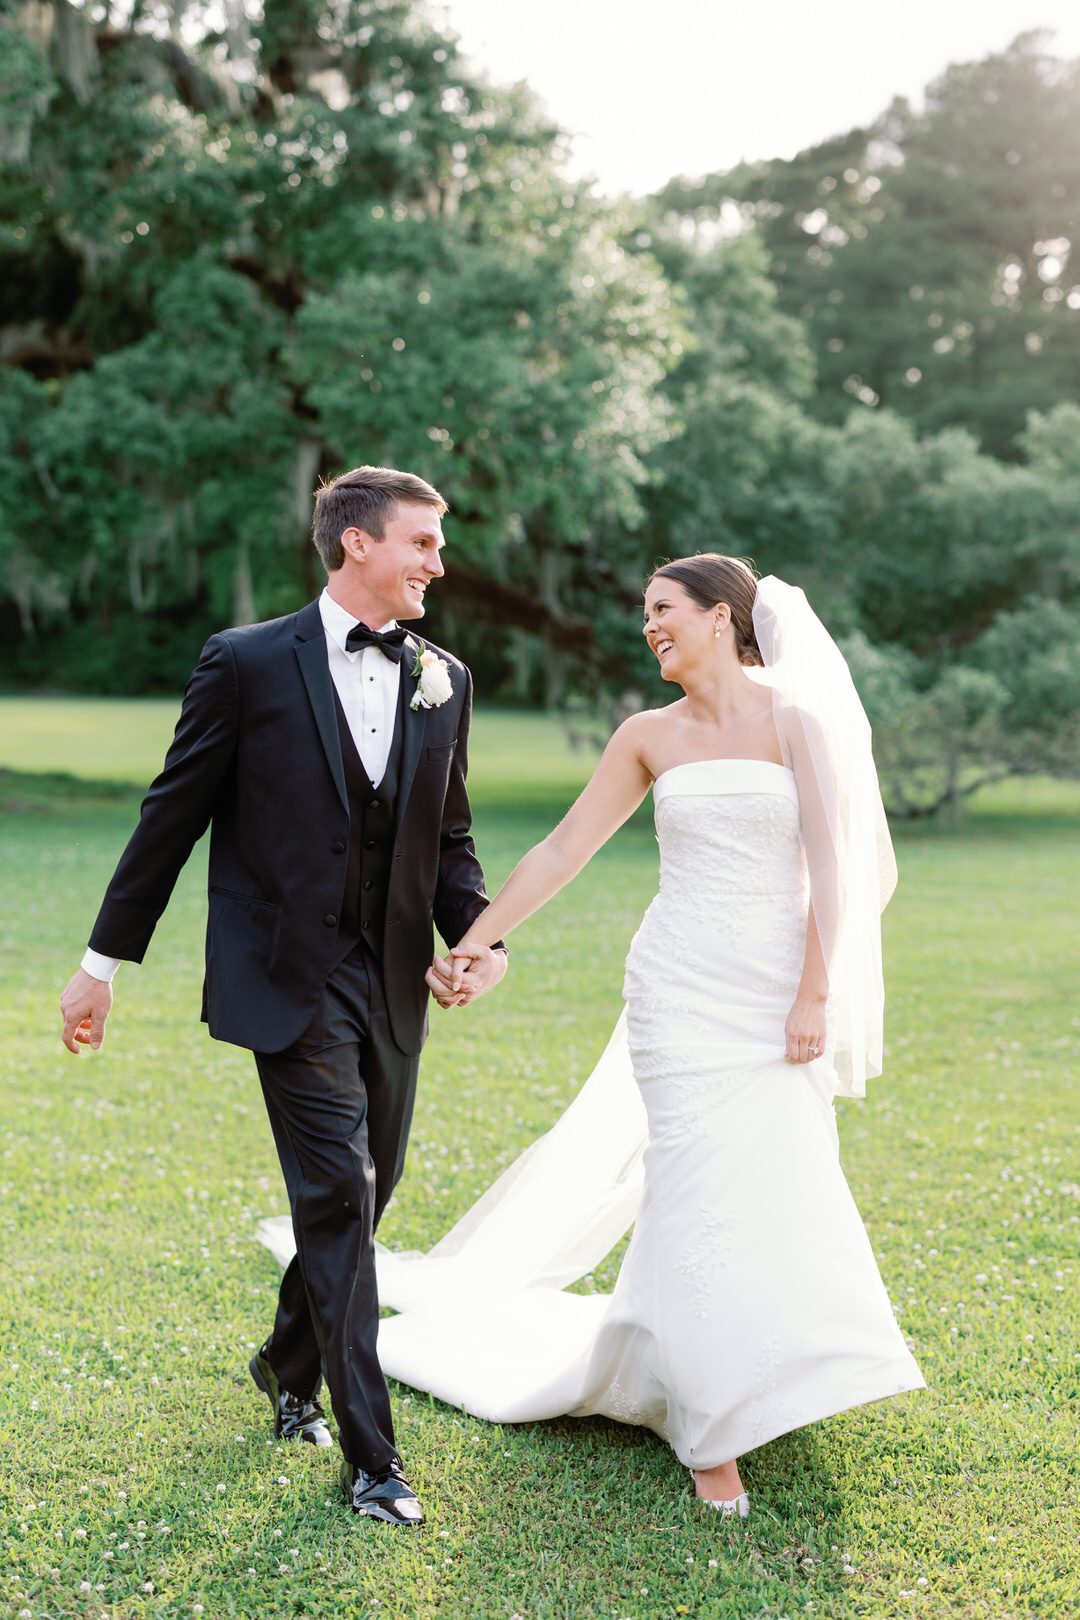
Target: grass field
pixel 138 1479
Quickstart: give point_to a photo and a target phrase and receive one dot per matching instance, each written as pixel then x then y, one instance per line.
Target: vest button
pixel 365 925
pixel 375 805
pixel 330 920
pixel 337 847
pixel 369 843
pixel 368 883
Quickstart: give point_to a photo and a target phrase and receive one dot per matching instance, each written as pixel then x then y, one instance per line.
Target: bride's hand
pixel 804 1032
pixel 437 979
pixel 476 968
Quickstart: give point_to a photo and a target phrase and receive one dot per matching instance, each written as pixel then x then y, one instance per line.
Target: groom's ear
pixel 356 543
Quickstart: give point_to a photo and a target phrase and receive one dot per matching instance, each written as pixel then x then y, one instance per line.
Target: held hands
pixel 468 972
pixel 85 1004
pixel 804 1031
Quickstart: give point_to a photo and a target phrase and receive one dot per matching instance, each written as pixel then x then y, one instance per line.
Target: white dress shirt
pixel 367 684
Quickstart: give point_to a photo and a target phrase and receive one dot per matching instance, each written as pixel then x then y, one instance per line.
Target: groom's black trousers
pixel 340 1101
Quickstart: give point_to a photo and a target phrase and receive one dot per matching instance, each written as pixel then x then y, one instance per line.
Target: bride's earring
pixel 717 630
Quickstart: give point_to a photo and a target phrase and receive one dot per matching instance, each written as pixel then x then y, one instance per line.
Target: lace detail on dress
pixel 715 848
pixel 701 1261
pixel 698 1100
pixel 732 878
pixel 769 1414
pixel 621 1404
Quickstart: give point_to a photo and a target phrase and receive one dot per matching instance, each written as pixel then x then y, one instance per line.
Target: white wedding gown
pixel 749 1301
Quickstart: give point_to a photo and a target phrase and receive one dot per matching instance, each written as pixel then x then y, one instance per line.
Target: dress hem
pixel 911 1380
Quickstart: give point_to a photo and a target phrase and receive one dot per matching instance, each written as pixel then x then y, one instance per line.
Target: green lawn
pixel 138 1479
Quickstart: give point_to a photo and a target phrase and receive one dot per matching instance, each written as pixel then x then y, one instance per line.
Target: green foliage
pixel 296 247
pixel 944 728
pixel 937 536
pixel 929 254
pixel 932 744
pixel 241 254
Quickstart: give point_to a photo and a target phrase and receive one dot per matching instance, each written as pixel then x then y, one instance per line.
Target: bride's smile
pixel 678 633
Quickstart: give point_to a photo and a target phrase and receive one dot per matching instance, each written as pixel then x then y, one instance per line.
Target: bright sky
pixel 654 88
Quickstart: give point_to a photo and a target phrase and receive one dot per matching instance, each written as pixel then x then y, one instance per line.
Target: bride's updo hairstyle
pixel 710 578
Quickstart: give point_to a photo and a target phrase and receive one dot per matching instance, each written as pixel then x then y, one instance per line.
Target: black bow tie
pixel 389 642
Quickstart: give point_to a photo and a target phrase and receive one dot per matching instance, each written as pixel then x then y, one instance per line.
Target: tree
pixel 930 255
pixel 288 247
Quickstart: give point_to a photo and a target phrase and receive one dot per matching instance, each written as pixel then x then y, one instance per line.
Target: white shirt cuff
pixel 100 967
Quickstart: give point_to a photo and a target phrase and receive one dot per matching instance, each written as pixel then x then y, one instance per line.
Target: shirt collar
pixel 338 621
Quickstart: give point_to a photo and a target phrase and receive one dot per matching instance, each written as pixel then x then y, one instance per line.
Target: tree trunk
pixel 243 589
pixel 74 51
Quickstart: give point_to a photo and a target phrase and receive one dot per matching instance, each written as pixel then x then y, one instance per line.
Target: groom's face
pixel 398 569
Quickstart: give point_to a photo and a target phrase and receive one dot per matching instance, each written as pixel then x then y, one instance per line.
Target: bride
pixel 749 1301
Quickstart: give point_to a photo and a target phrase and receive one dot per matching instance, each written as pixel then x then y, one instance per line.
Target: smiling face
pixel 680 633
pixel 391 575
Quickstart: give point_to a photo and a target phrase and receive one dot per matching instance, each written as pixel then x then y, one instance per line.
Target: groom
pixel 326 751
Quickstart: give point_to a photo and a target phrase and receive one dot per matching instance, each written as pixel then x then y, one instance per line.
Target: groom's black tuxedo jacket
pixel 257 757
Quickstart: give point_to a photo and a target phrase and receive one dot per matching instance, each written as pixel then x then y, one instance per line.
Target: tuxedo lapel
pixel 413 721
pixel 315 669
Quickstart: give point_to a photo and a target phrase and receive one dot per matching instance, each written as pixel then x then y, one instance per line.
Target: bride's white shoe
pixel 738 1507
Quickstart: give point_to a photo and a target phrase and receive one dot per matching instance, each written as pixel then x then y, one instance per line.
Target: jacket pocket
pixel 440 750
pixel 245 899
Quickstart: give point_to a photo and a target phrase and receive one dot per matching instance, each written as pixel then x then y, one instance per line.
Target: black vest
pixel 372 821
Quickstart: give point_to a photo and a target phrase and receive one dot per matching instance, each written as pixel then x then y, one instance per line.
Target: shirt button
pixel 330 920
pixel 337 847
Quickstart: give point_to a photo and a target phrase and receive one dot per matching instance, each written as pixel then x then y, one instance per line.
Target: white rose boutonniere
pixel 432 676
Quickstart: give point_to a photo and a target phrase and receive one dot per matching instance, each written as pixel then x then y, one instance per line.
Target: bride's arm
pixel 616 788
pixel 805 1029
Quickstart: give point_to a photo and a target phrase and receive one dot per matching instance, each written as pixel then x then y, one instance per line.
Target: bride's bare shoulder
pixel 641 734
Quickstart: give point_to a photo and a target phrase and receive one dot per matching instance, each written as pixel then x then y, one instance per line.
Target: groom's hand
pixel 85 1004
pixel 476 968
pixel 469 972
pixel 437 978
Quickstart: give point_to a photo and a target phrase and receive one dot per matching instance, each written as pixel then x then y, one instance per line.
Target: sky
pixel 690 87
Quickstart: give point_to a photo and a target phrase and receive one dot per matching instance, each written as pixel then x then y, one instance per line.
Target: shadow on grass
pixel 34 792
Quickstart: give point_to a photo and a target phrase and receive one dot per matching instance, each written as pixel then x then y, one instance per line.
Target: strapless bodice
pixel 727 827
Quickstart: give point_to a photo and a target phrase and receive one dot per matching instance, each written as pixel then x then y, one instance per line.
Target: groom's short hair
pixel 364 499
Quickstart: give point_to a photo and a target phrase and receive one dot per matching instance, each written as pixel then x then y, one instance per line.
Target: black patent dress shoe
pixel 295 1418
pixel 386 1495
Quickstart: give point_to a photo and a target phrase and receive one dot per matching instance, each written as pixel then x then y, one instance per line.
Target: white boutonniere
pixel 432 676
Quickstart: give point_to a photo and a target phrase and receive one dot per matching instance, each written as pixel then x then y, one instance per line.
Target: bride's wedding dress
pixel 749 1302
